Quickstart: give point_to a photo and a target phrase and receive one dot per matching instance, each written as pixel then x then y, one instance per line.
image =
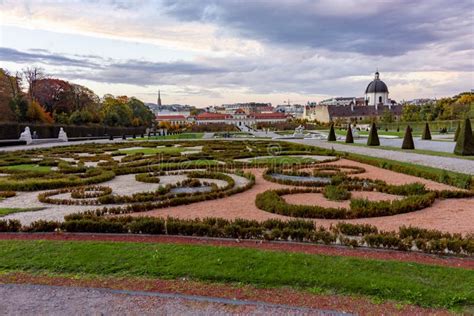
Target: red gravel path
pixel 352 304
pixel 453 215
pixel 466 263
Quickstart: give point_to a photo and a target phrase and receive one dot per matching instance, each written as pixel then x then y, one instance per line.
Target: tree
pixel 410 113
pixel 387 116
pixel 332 134
pixel 32 75
pixel 55 95
pixel 465 141
pixel 349 137
pixel 426 135
pixel 142 115
pixel 373 136
pixel 10 96
pixel 408 139
pixel 36 113
pixel 116 113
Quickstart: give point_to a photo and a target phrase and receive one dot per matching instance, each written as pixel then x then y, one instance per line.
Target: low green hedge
pixel 352 235
pixel 272 201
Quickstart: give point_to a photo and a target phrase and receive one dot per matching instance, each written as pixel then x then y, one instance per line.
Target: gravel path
pixel 446 163
pixel 442 146
pixel 24 299
pixel 120 185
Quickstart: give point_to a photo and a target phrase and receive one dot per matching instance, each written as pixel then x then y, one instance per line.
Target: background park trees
pixel 31 96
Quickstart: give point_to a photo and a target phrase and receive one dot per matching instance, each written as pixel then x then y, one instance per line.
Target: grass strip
pixel 10 210
pixel 418 284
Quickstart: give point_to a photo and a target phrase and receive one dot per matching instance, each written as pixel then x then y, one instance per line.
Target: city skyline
pixel 210 52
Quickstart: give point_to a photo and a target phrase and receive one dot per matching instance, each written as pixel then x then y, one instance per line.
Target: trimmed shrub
pixel 349 137
pixel 332 134
pixel 408 139
pixel 11 225
pixel 336 193
pixel 458 130
pixel 426 135
pixel 465 140
pixel 42 226
pixel 373 136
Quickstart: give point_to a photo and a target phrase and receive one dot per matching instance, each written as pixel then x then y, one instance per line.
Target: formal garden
pixel 273 192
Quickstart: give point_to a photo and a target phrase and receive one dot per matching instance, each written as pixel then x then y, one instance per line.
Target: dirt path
pixel 26 299
pixel 453 215
pixel 262 300
pixel 457 262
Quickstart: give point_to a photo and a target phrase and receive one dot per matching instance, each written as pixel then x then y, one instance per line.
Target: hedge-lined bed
pixel 416 197
pixel 352 235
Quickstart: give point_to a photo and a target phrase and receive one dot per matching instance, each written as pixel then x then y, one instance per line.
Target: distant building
pixel 239 118
pixel 159 99
pixel 420 101
pixel 172 119
pixel 374 104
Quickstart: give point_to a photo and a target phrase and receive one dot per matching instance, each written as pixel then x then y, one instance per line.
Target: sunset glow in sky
pixel 210 52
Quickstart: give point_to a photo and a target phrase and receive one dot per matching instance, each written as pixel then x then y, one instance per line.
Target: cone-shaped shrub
pixel 465 141
pixel 458 129
pixel 373 136
pixel 349 138
pixel 426 135
pixel 332 134
pixel 408 139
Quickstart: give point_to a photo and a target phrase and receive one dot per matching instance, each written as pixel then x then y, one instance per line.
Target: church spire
pixel 159 99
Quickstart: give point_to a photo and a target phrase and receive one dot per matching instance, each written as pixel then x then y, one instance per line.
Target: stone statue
pixel 299 131
pixel 355 132
pixel 26 135
pixel 62 135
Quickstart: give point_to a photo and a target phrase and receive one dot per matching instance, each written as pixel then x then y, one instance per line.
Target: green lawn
pixel 176 136
pixel 400 281
pixel 153 151
pixel 29 167
pixel 7 210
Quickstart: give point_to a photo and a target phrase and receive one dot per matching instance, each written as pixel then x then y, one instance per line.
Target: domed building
pixel 376 92
pixel 374 105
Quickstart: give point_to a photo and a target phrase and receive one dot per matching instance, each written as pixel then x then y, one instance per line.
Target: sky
pixel 210 52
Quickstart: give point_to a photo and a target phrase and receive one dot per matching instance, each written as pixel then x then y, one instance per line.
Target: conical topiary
pixel 349 138
pixel 465 141
pixel 458 129
pixel 408 139
pixel 332 134
pixel 426 135
pixel 373 136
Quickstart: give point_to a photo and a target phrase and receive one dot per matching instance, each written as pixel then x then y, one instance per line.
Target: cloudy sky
pixel 206 52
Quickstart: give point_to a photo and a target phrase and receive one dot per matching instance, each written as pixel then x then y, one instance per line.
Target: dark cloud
pixel 42 56
pixel 387 28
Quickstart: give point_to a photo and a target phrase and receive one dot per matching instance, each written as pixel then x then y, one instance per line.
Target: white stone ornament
pixel 26 135
pixel 62 135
